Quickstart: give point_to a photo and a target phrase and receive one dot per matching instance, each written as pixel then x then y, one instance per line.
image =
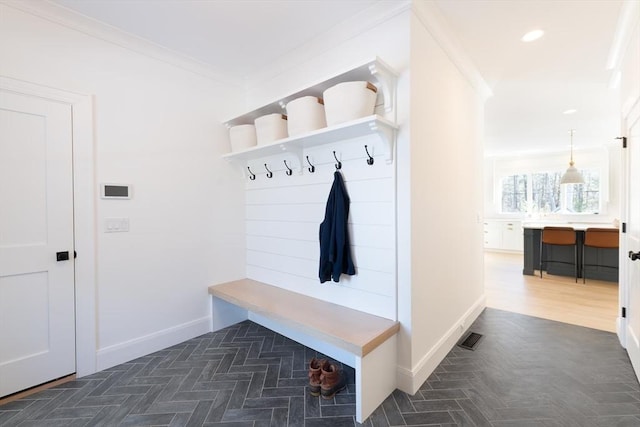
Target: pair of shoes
pixel 325 379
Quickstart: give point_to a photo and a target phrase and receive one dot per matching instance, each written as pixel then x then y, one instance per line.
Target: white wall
pixel 158 128
pixel 284 213
pixel 438 219
pixel 445 236
pixel 384 34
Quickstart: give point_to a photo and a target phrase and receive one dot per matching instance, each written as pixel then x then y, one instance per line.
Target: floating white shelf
pixel 371 125
pixel 375 71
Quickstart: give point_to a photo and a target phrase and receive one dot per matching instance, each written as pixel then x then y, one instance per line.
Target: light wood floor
pixel 594 305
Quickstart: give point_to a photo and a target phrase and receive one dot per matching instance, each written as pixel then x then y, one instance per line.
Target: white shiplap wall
pixel 283 215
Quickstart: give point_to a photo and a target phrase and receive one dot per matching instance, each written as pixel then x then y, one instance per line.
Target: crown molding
pixel 352 27
pixel 60 15
pixel 434 21
pixel 428 14
pixel 628 19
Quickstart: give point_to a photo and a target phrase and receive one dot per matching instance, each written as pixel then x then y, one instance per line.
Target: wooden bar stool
pixel 600 238
pixel 560 236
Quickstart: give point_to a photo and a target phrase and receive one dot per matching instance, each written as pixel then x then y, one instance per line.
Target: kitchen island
pixel 606 258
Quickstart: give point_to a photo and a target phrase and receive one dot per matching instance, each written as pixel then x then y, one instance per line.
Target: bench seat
pixel 361 340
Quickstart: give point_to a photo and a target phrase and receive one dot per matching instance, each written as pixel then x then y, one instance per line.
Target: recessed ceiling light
pixel 570 111
pixel 532 35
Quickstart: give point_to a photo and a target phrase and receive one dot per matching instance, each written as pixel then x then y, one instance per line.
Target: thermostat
pixel 115 191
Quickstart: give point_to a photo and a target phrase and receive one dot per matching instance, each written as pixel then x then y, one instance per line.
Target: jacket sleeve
pixel 326 238
pixel 335 249
pixel 343 263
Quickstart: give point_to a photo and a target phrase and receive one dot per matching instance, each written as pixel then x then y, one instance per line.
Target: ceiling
pixel 232 36
pixel 532 83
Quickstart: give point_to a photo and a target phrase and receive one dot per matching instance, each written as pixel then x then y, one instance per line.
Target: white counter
pixel 578 226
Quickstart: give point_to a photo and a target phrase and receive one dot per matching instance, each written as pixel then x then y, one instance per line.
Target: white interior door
pixel 633 238
pixel 37 321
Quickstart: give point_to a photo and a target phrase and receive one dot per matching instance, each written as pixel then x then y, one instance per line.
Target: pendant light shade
pixel 572 175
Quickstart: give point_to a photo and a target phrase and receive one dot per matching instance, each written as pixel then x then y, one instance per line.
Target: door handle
pixel 633 256
pixel 62 256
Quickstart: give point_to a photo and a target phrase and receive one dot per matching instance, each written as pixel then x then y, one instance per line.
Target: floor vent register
pixel 470 341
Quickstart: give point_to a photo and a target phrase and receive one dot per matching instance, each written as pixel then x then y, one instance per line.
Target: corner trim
pixel 432 19
pixel 410 380
pixel 627 19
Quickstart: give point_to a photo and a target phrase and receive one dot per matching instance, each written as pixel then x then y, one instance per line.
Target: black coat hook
pixel 370 159
pixel 289 171
pixel 339 164
pixel 252 176
pixel 269 173
pixel 311 168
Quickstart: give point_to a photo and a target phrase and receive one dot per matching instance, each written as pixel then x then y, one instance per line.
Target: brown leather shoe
pixel 332 380
pixel 315 371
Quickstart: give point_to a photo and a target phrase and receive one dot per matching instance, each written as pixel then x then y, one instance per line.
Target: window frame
pixel 515 193
pixel 550 163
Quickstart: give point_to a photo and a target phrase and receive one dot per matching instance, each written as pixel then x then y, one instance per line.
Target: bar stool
pixel 600 238
pixel 560 236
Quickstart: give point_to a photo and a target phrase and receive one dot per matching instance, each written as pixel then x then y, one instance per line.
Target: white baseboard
pixel 123 352
pixel 410 380
pixel 633 349
pixel 621 330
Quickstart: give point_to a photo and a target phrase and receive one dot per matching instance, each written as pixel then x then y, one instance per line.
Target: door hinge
pixel 624 312
pixel 624 141
pixel 624 227
pixel 75 254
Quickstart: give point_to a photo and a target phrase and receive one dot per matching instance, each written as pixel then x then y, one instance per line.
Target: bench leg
pixel 375 378
pixel 224 314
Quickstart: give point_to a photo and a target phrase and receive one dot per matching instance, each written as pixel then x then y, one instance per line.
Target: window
pixel 542 192
pixel 514 193
pixel 546 191
pixel 585 197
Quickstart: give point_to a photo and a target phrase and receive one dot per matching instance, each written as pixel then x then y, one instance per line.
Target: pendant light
pixel 572 175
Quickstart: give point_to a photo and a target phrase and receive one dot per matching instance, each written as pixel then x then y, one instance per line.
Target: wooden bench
pixel 360 340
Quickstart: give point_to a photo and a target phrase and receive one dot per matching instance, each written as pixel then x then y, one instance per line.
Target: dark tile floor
pixel 524 372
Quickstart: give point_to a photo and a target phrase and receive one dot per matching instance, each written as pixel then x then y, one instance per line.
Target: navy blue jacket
pixel 335 252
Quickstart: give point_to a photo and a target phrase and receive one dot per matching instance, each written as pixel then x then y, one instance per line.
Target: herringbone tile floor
pixel 524 372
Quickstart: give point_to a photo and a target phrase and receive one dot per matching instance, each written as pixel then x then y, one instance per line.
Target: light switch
pixel 116 225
